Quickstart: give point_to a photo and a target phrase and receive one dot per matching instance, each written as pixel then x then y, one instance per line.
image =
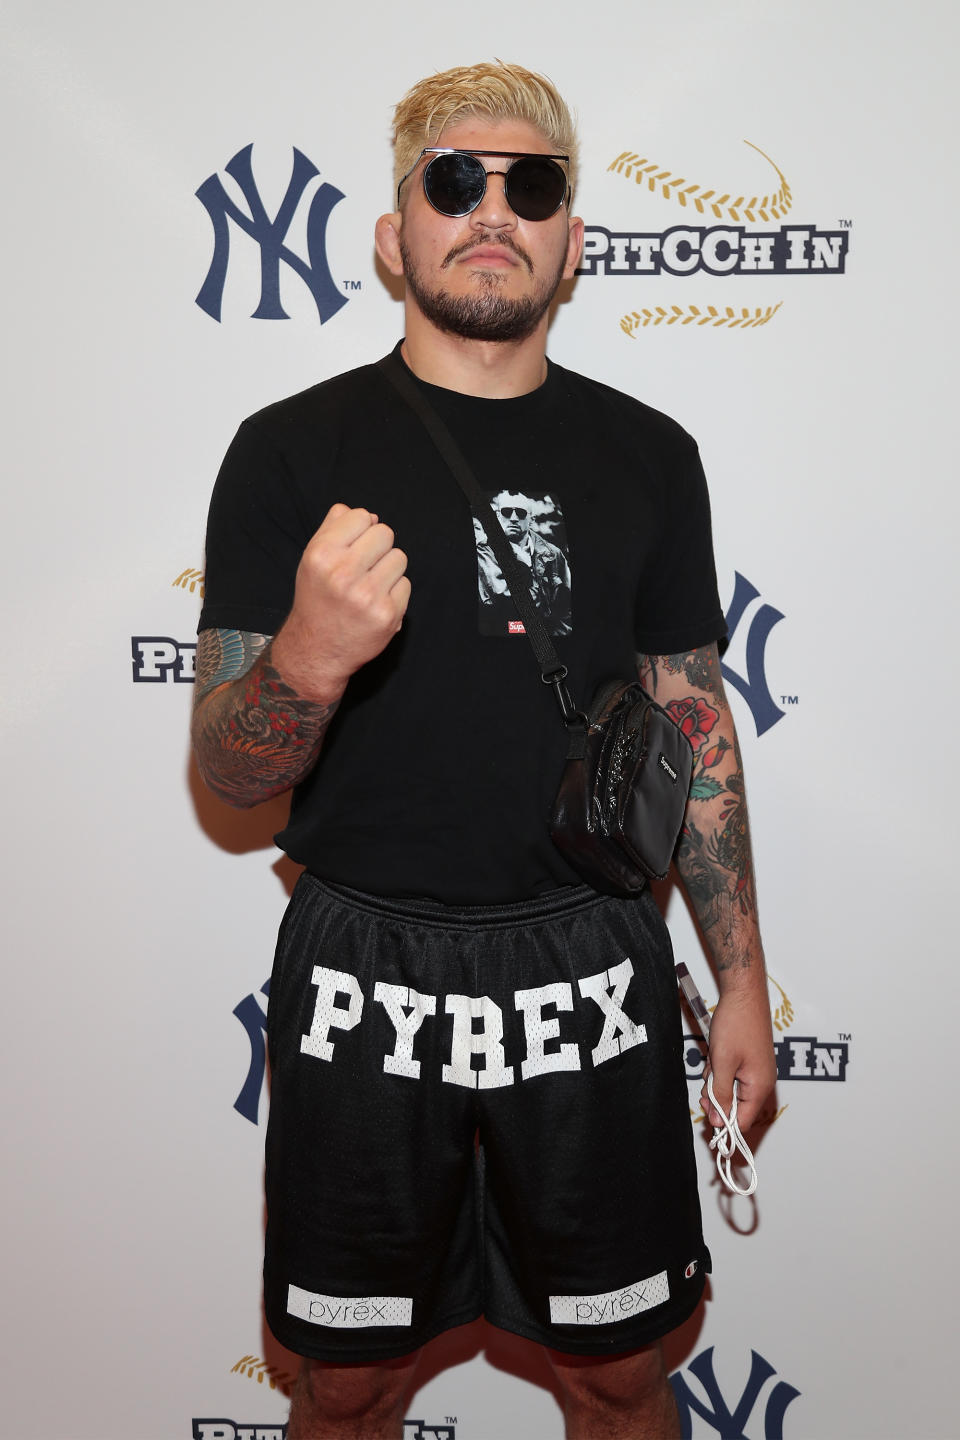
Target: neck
pixel 492 370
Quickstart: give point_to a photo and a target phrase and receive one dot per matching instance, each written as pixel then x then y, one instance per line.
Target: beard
pixel 486 313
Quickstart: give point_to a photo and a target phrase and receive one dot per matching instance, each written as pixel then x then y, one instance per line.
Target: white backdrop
pixel 140 912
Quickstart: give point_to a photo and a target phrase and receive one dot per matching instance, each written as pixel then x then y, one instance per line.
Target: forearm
pixel 714 856
pixel 254 736
pixel 715 862
pixel 716 866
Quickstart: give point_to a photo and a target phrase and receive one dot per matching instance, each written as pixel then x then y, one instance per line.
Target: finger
pixel 748 1108
pixel 723 1093
pixel 401 597
pixel 709 1110
pixel 388 569
pixel 343 525
pixel 371 545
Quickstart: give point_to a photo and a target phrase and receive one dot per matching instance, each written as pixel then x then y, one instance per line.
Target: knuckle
pixel 338 580
pixel 383 615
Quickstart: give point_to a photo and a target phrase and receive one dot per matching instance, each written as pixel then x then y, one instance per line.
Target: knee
pixel 621 1383
pixel 348 1395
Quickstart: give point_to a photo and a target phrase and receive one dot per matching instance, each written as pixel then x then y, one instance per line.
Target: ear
pixel 386 237
pixel 574 247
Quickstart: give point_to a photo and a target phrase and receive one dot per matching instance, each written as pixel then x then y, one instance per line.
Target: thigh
pixel 371 1209
pixel 591 1214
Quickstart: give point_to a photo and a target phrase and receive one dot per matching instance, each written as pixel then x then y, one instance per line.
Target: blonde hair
pixel 495 91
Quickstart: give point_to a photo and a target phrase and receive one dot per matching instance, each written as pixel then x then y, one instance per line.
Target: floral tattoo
pixel 713 854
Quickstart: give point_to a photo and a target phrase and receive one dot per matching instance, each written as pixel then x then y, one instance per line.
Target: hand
pixel 741 1049
pixel 350 599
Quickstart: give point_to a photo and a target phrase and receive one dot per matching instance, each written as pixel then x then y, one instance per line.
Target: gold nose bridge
pixel 503 176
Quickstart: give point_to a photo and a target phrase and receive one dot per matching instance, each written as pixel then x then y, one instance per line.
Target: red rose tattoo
pixel 695 719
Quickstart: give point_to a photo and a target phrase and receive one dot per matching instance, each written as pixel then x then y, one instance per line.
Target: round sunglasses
pixel 455 181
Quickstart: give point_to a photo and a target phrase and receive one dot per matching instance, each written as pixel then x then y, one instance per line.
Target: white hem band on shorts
pixel 346 1312
pixel 614 1305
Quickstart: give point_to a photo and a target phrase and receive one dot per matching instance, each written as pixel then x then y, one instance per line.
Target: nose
pixel 493 212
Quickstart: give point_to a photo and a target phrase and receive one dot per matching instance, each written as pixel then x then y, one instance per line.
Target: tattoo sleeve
pixel 253 736
pixel 713 854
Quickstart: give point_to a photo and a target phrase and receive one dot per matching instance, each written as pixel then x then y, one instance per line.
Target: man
pixel 546 569
pixel 478 1103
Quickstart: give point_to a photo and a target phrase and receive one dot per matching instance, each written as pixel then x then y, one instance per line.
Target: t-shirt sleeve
pixel 257 529
pixel 678 606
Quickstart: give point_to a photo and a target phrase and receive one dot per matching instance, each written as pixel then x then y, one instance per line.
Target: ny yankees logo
pixel 731 1424
pixel 254 1021
pixel 270 235
pixel 754 689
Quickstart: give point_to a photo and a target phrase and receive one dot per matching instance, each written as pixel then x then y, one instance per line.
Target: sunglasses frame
pixel 437 150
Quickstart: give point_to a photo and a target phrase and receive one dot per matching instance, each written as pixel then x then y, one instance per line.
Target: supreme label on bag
pixel 665 765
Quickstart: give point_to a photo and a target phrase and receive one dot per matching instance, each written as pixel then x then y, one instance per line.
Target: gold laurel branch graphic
pixel 674 187
pixel 191 580
pixel 783 1014
pixel 744 319
pixel 256 1369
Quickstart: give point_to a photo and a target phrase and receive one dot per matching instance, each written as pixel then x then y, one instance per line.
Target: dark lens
pixel 535 188
pixel 454 184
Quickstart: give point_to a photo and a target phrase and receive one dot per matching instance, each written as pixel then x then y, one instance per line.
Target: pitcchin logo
pixel 260 1370
pixel 719 249
pixel 192 580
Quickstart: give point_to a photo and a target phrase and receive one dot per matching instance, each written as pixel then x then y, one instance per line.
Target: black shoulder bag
pixel 625 782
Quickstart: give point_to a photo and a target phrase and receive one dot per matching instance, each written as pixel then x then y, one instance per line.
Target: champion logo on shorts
pixel 614 1305
pixel 691 1269
pixel 345 1312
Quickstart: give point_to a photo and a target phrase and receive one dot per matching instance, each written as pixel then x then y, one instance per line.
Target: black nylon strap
pixel 552 671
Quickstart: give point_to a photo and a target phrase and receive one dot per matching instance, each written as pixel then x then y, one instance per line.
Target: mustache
pixel 488 238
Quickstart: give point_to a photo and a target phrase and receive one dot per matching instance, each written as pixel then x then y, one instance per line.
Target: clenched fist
pixel 350 599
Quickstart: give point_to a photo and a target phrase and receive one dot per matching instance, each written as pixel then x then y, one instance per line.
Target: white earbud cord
pixel 728 1142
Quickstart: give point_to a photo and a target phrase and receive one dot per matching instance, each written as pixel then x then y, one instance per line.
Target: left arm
pixel 716 865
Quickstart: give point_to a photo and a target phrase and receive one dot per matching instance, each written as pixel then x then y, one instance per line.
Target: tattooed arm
pixel 716 865
pixel 253 735
pixel 262 706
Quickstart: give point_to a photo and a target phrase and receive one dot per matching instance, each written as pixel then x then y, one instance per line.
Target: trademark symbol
pixel 789 699
pixel 845 224
pixel 450 1419
pixel 844 1036
pixel 353 284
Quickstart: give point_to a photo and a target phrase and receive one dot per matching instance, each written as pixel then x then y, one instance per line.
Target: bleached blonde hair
pixel 494 91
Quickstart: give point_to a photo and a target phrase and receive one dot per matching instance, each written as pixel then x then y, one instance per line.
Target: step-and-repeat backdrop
pixel 190 195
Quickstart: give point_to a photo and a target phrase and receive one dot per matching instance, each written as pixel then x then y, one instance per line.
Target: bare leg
pixel 627 1397
pixel 351 1402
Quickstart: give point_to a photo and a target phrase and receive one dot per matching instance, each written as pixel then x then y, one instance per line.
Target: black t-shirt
pixel 438 773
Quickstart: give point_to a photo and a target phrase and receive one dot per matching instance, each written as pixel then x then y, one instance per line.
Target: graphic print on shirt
pixel 533 523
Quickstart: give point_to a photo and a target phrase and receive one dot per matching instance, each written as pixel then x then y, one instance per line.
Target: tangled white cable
pixel 728 1141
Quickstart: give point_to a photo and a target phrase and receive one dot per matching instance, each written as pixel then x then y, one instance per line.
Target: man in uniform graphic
pixel 478 1099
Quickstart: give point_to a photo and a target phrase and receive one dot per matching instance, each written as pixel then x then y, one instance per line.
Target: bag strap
pixel 552 670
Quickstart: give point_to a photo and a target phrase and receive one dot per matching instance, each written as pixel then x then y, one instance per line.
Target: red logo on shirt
pixel 515 627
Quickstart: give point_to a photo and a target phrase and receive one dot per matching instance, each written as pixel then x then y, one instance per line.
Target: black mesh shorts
pixel 478 1111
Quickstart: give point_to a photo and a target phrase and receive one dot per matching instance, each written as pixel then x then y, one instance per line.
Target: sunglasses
pixel 455 181
pixel 511 512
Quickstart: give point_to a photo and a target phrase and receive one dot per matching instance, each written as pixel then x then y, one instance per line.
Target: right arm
pixel 253 735
pixel 262 705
